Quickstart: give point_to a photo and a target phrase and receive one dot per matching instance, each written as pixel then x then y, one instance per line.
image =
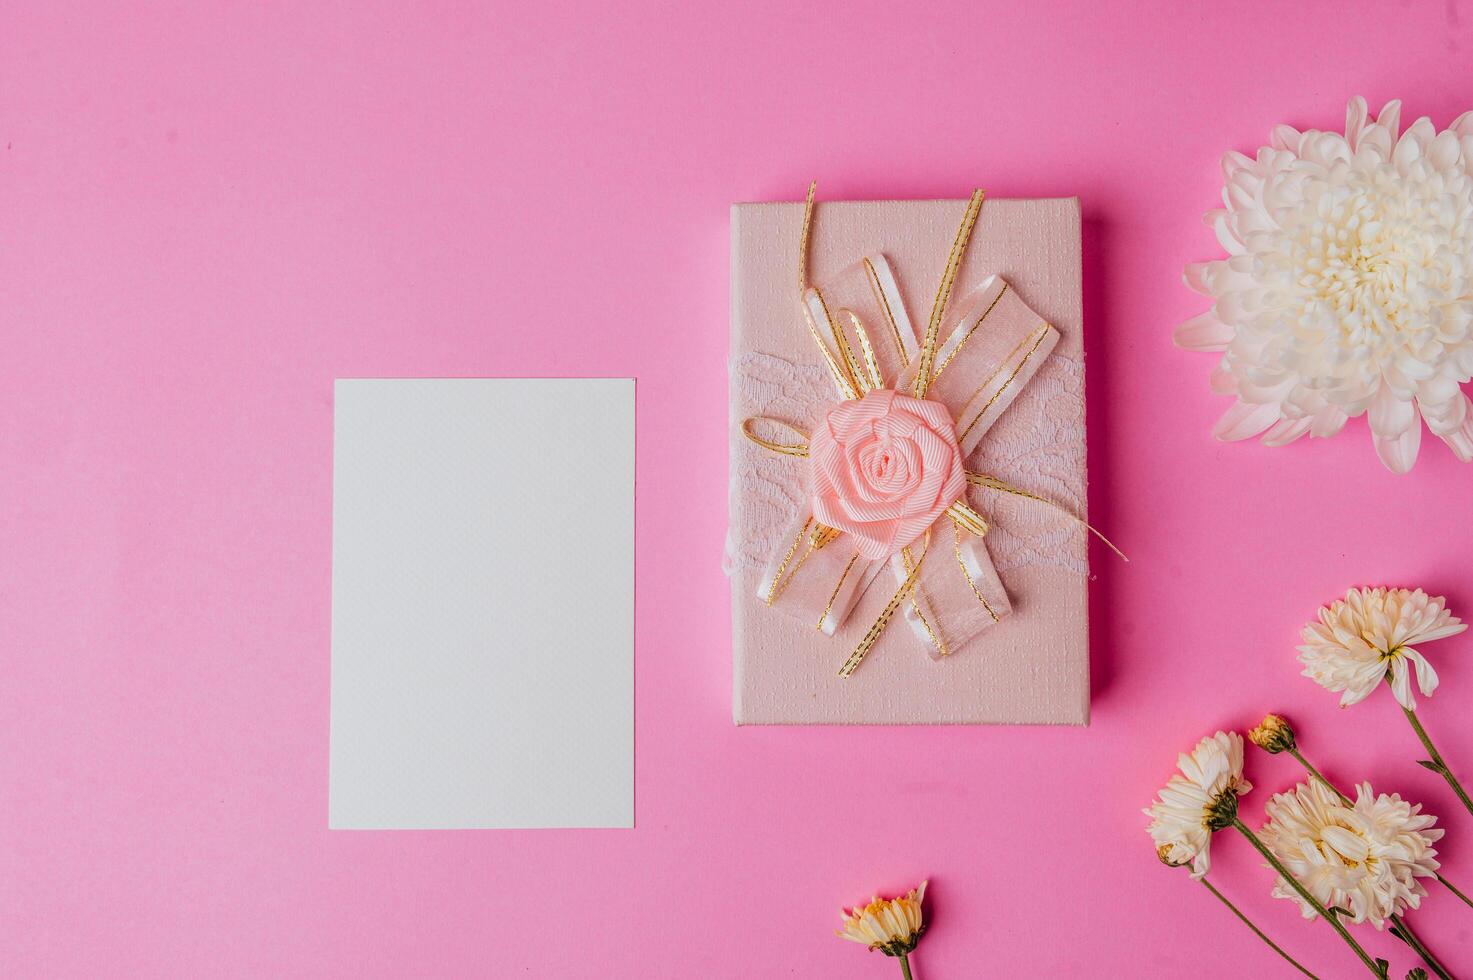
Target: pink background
pixel 205 217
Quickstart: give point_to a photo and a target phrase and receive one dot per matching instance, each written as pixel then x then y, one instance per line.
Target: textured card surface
pixel 1031 667
pixel 483 604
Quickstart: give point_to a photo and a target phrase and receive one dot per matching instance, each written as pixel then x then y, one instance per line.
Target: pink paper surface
pixel 211 211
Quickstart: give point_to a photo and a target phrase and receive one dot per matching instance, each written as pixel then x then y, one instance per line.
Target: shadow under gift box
pixel 1032 665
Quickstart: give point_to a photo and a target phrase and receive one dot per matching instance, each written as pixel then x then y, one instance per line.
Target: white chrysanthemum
pixel 1200 800
pixel 1366 857
pixel 1348 285
pixel 1360 638
pixel 893 926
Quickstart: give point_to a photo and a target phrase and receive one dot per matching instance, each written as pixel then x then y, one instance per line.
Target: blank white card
pixel 483 604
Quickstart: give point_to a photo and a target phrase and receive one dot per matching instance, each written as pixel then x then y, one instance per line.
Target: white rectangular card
pixel 483 604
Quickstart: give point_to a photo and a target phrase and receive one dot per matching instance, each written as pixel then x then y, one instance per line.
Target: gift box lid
pixel 1032 665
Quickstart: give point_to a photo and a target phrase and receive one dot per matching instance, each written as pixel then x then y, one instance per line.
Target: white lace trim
pixel 1036 445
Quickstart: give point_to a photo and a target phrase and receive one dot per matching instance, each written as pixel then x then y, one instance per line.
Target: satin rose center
pixel 883 468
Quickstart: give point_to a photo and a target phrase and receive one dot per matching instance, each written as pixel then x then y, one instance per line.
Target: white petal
pixel 1399 452
pixel 1401 683
pixel 1327 422
pixel 1204 333
pixel 1285 138
pixel 1197 276
pixel 1426 676
pixel 1390 415
pixel 1285 431
pixel 1233 162
pixel 1245 420
pixel 1390 116
pixel 1441 632
pixel 1444 151
pixel 1201 864
pixel 1355 119
pixel 1460 439
pixel 1226 237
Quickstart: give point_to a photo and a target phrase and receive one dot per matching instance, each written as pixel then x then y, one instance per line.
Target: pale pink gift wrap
pixel 1032 665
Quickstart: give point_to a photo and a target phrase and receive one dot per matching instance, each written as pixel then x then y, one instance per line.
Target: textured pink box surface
pixel 1033 666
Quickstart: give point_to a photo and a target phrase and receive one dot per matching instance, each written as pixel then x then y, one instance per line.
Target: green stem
pixel 1316 774
pixel 1447 773
pixel 905 966
pixel 1453 888
pixel 1420 948
pixel 1314 903
pixel 1256 931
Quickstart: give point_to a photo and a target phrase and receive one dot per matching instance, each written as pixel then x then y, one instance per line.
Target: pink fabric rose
pixel 883 468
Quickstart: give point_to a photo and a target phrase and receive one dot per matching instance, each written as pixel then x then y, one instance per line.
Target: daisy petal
pixel 1426 676
pixel 1204 333
pixel 1399 452
pixel 1401 684
pixel 1244 421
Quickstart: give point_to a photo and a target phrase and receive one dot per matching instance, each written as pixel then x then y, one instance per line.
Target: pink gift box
pixel 1024 657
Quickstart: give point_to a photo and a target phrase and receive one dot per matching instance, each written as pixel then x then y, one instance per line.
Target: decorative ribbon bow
pixel 887 481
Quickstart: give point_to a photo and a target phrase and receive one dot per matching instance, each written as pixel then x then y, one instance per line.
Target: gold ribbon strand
pixel 943 292
pixel 803 242
pixel 993 483
pixel 785 448
pixel 896 601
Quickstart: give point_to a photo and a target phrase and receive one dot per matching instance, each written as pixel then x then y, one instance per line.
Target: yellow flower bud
pixel 1273 735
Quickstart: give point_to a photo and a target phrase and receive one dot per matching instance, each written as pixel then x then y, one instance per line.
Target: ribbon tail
pixel 878 628
pixel 816 576
pixel 920 612
pixel 993 483
pixel 975 567
pixel 957 594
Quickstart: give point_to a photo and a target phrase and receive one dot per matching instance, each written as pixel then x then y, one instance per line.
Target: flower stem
pixel 1317 775
pixel 905 967
pixel 1437 762
pixel 1256 931
pixel 1420 948
pixel 1453 888
pixel 1314 903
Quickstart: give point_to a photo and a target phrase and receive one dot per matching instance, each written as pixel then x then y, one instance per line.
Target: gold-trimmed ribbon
pixel 857 368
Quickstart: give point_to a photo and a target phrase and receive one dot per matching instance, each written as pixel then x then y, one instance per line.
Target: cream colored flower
pixel 1200 800
pixel 891 925
pixel 1360 638
pixel 1346 285
pixel 1273 735
pixel 1366 857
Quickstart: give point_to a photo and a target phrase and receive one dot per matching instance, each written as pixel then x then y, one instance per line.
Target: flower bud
pixel 1273 735
pixel 1164 853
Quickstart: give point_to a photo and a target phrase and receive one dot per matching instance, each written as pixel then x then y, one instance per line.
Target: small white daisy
pixel 1366 857
pixel 1368 634
pixel 1198 801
